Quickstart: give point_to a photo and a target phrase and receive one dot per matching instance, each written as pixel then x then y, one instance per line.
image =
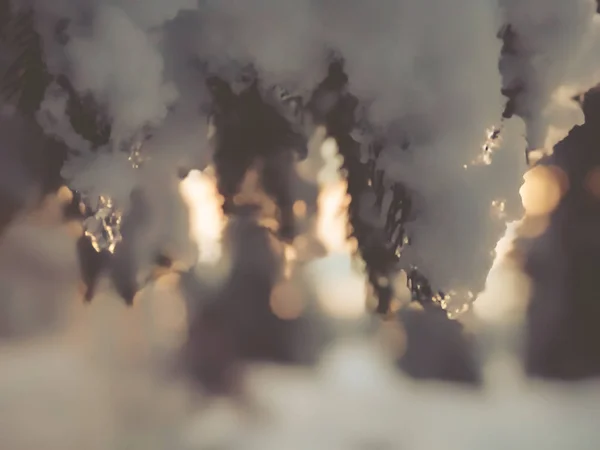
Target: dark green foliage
pixel 339 118
pixel 23 83
pixel 378 247
pixel 26 79
pixel 85 115
pixel 250 129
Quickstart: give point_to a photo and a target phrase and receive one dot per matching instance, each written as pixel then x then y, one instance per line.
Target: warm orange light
pixel 592 182
pixel 300 208
pixel 199 191
pixel 286 302
pixel 542 190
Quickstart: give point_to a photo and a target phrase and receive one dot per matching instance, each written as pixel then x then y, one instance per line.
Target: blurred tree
pixel 563 337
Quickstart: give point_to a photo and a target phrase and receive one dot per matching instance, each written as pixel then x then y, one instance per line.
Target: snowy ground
pixel 97 380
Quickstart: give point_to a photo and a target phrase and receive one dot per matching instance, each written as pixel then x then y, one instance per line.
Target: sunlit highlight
pixel 333 218
pixel 199 191
pixel 542 190
pixel 499 209
pixel 491 143
pixel 333 200
pixel 507 287
pixel 341 289
pixel 290 255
